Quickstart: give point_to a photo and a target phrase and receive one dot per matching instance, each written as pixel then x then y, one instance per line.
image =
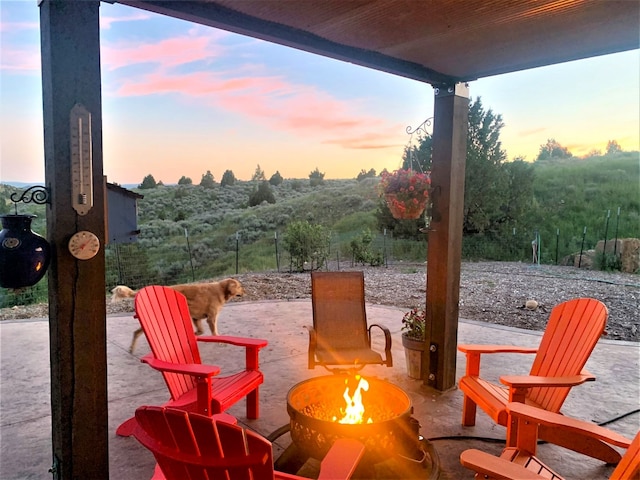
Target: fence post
pixel 277 256
pixel 237 250
pixel 615 245
pixel 557 243
pixel 584 233
pixel 604 247
pixel 193 274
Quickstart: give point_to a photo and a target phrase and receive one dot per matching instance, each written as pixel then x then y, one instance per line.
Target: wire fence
pixel 143 263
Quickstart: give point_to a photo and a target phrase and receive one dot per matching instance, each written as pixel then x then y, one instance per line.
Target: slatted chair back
pixel 164 316
pixel 572 332
pixel 196 447
pixel 629 466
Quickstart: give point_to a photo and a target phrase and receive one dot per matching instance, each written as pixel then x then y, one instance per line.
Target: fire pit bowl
pixel 313 404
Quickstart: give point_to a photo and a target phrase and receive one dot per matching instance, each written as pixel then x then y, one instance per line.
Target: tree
pixel 148 182
pixel 276 179
pixel 262 194
pixel 613 147
pixel 228 179
pixel 552 149
pixel 258 175
pixel 316 178
pixel 185 181
pixel 364 174
pixel 496 192
pixel 207 180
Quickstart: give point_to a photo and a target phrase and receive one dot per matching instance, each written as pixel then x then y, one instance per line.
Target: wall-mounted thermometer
pixel 81 160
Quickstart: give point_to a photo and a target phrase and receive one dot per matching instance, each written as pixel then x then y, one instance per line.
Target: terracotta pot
pixel 402 210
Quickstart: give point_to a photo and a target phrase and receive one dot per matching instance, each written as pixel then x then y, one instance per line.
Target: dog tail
pixel 120 292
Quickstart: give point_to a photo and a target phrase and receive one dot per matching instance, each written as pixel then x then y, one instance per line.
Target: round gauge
pixel 84 245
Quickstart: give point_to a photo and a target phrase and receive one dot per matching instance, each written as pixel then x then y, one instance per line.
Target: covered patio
pixel 26 421
pixel 441 43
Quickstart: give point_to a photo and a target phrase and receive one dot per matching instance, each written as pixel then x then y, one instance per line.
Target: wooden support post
pixel 70 45
pixel 445 235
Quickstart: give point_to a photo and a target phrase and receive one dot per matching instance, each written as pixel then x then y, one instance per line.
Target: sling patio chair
pixel 520 462
pixel 188 446
pixel 164 316
pixel 572 331
pixel 340 335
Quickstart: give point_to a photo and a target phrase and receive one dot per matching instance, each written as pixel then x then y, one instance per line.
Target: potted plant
pixel 406 192
pixel 413 331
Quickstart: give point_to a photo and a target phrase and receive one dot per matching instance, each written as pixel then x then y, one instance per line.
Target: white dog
pixel 205 300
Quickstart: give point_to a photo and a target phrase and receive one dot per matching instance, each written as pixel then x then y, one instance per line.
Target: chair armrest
pixel 193 369
pixel 553 420
pixel 473 353
pixel 252 345
pixel 313 343
pixel 341 460
pixel 387 342
pixel 495 467
pixel 529 381
pixel 468 348
pixel 238 341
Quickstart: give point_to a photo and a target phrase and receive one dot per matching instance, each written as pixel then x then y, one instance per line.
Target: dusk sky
pixel 181 99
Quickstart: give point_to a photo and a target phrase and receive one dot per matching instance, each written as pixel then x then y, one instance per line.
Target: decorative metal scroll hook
pixel 423 126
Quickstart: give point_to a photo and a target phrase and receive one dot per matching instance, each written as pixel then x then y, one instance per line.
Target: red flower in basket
pixel 406 192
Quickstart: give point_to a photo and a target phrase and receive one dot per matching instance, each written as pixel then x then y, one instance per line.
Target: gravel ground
pixel 493 292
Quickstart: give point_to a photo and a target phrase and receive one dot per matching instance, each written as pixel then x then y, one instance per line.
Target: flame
pixel 354 411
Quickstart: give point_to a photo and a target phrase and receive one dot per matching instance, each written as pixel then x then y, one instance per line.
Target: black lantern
pixel 24 255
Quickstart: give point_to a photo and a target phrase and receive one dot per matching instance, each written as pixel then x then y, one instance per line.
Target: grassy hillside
pixel 225 234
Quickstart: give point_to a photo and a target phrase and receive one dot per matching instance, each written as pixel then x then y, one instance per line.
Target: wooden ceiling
pixel 436 41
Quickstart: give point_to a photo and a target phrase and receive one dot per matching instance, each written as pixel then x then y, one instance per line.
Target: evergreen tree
pixel 207 180
pixel 262 194
pixel 258 175
pixel 185 181
pixel 148 182
pixel 228 179
pixel 497 193
pixel 316 178
pixel 276 179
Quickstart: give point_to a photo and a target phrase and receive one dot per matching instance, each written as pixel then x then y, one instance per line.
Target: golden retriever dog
pixel 205 300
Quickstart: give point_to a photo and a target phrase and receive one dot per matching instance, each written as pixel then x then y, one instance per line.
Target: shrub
pixel 306 244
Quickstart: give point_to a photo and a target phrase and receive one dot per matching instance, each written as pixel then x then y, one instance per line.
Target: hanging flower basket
pixel 406 192
pixel 407 210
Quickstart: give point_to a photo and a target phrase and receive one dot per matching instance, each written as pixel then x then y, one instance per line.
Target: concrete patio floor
pixel 25 415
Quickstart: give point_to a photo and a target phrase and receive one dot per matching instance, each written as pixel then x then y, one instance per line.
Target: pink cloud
pixel 18 60
pixel 106 21
pixel 13 27
pixel 268 99
pixel 166 53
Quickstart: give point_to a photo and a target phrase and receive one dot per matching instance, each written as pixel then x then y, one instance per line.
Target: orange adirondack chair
pixel 340 335
pixel 572 332
pixel 520 462
pixel 164 316
pixel 188 446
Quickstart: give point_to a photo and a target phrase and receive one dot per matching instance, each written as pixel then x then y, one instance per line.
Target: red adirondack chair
pixel 572 332
pixel 164 316
pixel 189 446
pixel 520 462
pixel 340 335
